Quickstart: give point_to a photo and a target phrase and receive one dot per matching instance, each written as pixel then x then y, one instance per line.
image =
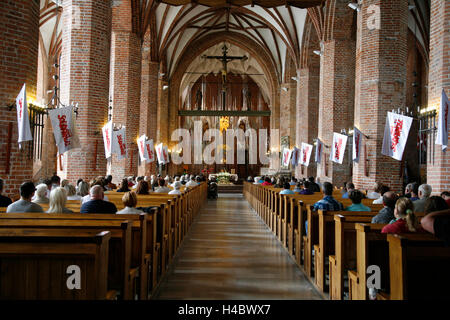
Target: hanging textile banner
pixel 142 148
pixel 295 158
pixel 305 154
pixel 107 131
pixel 338 147
pixel 357 143
pixel 319 151
pixel 150 149
pixel 166 154
pixel 63 124
pixel 159 153
pixel 442 131
pixel 23 120
pixel 287 153
pixel 120 144
pixel 396 134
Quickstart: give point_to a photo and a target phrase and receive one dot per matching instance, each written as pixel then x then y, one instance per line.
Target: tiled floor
pixel 229 253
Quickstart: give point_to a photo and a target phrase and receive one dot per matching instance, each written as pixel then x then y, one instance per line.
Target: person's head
pixel 256 179
pixel 27 190
pixel 377 187
pixel 345 186
pixel 404 209
pixel 286 185
pixel 124 185
pixel 350 186
pixel 1 186
pixel 129 199
pixel 408 188
pixel 198 179
pixel 70 189
pixel 445 195
pixel 355 195
pixel 142 187
pixel 108 178
pixel 293 179
pixel 267 179
pixel 177 185
pixel 64 182
pixel 414 189
pixel 327 189
pixel 384 189
pixel 307 184
pixel 389 199
pixel 177 178
pixel 55 180
pixel 48 182
pixel 424 191
pixel 78 181
pixel 162 182
pixel 83 188
pixel 96 192
pixel 311 179
pixel 58 199
pixel 41 190
pixel 435 203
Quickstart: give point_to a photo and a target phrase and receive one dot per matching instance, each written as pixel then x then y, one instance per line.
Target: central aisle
pixel 230 253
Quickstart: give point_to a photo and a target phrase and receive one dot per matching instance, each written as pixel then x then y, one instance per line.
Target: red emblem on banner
pixel 396 131
pixel 358 136
pixel 65 132
pixel 21 108
pixel 337 149
pixel 121 145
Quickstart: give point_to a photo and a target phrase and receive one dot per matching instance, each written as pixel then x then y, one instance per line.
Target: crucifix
pixel 224 58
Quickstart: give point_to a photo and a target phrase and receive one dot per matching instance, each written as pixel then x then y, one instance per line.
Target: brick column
pixel 19 30
pixel 149 102
pixel 288 111
pixel 439 78
pixel 336 102
pixel 307 115
pixel 125 86
pixel 85 79
pixel 380 86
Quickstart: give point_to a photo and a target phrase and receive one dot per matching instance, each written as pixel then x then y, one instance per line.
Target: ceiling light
pixel 355 6
pixel 165 87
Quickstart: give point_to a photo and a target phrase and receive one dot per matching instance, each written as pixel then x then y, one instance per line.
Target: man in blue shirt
pixel 287 189
pixel 356 197
pixel 97 204
pixel 349 187
pixel 328 203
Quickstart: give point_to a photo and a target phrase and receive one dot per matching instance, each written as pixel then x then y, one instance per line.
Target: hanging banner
pixel 150 149
pixel 23 121
pixel 142 148
pixel 338 147
pixel 107 131
pixel 287 153
pixel 63 124
pixel 120 144
pixel 305 154
pixel 442 131
pixel 396 133
pixel 357 144
pixel 159 153
pixel 295 158
pixel 166 154
pixel 319 151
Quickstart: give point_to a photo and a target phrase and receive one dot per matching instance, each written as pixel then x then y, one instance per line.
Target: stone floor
pixel 230 253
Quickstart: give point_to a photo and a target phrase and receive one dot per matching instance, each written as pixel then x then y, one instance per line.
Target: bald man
pixel 97 204
pixel 387 213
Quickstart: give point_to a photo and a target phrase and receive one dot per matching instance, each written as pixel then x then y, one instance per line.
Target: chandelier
pixel 224 123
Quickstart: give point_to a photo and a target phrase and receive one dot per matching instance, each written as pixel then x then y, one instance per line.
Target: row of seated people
pixel 311 244
pixel 120 256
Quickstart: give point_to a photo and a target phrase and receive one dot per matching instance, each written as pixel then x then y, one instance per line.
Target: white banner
pixel 166 154
pixel 338 147
pixel 442 132
pixel 305 154
pixel 107 131
pixel 142 148
pixel 119 145
pixel 159 153
pixel 23 121
pixel 295 158
pixel 63 124
pixel 319 151
pixel 150 151
pixel 287 153
pixel 357 144
pixel 396 134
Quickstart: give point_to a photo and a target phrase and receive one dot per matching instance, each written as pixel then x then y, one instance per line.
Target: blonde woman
pixel 129 200
pixel 71 193
pixel 405 220
pixel 58 199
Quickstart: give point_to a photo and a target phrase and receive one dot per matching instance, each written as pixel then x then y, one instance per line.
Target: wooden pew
pixel 33 264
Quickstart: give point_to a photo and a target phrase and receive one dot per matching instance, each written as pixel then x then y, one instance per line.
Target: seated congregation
pixel 122 238
pixel 335 234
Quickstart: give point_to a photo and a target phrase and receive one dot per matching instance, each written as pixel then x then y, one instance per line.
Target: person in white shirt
pixel 129 200
pixel 176 188
pixel 375 194
pixel 383 190
pixel 41 191
pixel 162 187
pixel 256 180
pixel 71 193
pixel 191 183
pixel 177 179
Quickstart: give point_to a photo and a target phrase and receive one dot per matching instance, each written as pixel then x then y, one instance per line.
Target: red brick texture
pixel 85 79
pixel 438 175
pixel 19 29
pixel 380 87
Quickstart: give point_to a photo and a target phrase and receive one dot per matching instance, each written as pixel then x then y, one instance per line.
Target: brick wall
pixel 19 30
pixel 85 79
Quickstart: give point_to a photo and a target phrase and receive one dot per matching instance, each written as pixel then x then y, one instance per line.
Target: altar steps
pixel 230 188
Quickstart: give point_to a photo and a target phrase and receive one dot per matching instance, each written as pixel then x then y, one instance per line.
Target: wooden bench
pixel 34 263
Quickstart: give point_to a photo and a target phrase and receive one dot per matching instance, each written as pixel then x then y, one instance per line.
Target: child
pixel 405 219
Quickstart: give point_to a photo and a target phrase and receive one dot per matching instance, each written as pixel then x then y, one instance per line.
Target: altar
pixel 224 177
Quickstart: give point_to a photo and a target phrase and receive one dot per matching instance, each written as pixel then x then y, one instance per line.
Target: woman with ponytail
pixel 405 220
